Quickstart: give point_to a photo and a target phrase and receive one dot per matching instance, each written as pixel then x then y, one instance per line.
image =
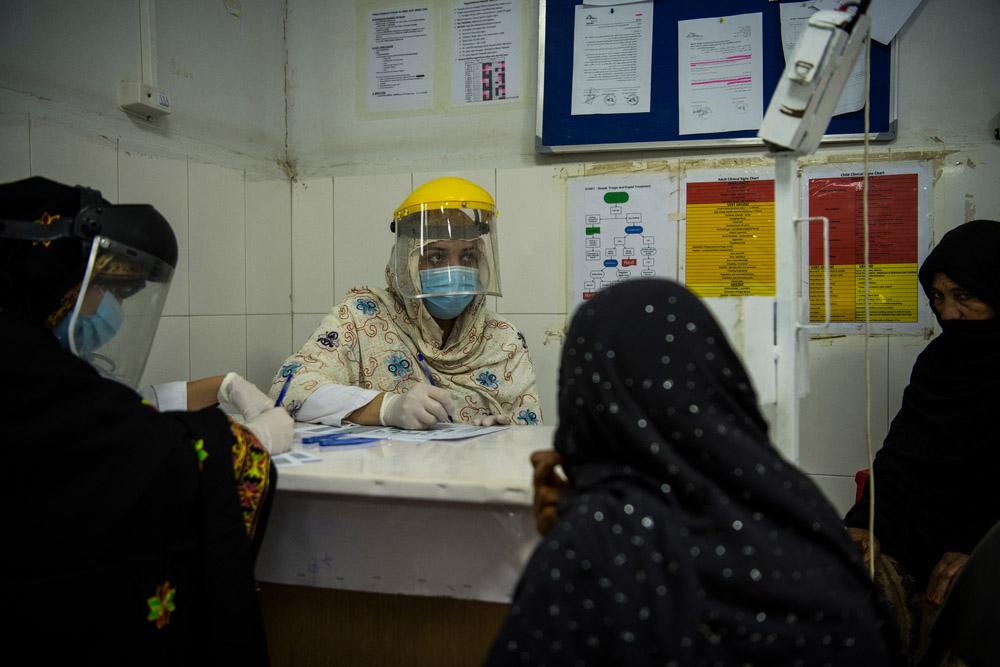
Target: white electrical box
pixel 142 99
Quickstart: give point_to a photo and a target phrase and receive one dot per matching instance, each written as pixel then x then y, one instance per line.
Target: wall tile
pixel 269 341
pixel 312 245
pixel 65 155
pixel 545 353
pixel 170 357
pixel 217 240
pixel 838 490
pixel 218 345
pixel 532 231
pixel 832 416
pixel 362 209
pixel 269 247
pixel 162 182
pixel 14 147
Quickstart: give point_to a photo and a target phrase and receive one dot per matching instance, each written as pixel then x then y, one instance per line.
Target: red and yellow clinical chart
pixel 729 232
pixel 897 202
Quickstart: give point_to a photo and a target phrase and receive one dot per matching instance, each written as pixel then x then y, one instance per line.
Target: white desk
pixel 443 519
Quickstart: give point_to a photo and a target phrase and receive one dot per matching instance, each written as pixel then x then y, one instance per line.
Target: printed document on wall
pixel 612 56
pixel 900 213
pixel 400 59
pixel 486 40
pixel 728 232
pixel 621 226
pixel 720 74
pixel 794 18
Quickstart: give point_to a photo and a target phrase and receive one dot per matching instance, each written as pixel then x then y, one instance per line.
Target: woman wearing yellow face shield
pixel 425 349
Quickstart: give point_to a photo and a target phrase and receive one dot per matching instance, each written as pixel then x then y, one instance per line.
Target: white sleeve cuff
pixel 167 396
pixel 330 403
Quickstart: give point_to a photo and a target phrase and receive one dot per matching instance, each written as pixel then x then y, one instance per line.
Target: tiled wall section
pixel 346 217
pixel 229 306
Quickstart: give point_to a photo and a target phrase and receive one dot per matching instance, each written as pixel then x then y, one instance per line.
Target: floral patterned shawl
pixel 371 340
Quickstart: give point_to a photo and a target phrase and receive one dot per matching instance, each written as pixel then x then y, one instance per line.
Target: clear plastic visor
pixel 118 309
pixel 446 252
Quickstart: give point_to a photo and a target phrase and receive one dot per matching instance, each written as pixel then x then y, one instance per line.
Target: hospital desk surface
pixel 401 553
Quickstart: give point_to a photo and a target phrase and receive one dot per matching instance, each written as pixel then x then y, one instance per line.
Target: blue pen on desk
pixel 427 374
pixel 284 390
pixel 337 439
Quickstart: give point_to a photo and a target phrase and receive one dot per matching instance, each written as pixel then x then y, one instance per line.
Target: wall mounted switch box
pixel 142 99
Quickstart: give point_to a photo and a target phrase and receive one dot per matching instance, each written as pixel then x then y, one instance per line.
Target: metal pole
pixel 787 306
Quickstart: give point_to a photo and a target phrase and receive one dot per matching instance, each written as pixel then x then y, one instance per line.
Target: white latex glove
pixel 274 428
pixel 241 397
pixel 490 420
pixel 418 409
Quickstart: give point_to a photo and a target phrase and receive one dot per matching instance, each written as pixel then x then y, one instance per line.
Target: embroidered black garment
pixel 110 507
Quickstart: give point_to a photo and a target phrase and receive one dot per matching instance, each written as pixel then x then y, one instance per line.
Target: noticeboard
pixel 559 130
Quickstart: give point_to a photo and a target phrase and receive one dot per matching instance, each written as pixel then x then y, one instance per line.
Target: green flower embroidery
pixel 161 605
pixel 199 449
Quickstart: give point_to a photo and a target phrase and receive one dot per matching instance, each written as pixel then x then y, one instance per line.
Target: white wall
pixel 225 74
pixel 331 132
pixel 212 167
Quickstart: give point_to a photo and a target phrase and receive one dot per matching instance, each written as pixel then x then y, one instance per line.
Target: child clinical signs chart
pixel 899 215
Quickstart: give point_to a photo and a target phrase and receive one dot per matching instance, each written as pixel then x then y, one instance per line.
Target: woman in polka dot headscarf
pixel 684 538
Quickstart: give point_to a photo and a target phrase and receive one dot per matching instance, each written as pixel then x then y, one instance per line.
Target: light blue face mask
pixel 92 331
pixel 445 281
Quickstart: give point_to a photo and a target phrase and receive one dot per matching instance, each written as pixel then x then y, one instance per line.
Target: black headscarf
pixel 36 276
pixel 686 539
pixel 935 475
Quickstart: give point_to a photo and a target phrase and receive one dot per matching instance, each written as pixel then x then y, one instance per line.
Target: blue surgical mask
pixel 445 281
pixel 92 331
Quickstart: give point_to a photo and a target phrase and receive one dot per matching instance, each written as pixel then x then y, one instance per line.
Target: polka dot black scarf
pixel 686 539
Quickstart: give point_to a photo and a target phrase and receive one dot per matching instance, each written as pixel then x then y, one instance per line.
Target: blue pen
pixel 427 374
pixel 335 438
pixel 345 442
pixel 284 390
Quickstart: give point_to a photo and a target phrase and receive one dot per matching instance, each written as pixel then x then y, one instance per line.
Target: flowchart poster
pixel 621 227
pixel 728 232
pixel 899 230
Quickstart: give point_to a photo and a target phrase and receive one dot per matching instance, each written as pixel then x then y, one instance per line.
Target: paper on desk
pixel 461 431
pixel 294 458
pixel 435 432
pixel 305 430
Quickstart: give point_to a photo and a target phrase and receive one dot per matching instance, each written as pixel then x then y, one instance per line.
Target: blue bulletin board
pixel 558 131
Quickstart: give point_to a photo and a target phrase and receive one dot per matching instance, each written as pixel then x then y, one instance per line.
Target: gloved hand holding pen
pixel 418 409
